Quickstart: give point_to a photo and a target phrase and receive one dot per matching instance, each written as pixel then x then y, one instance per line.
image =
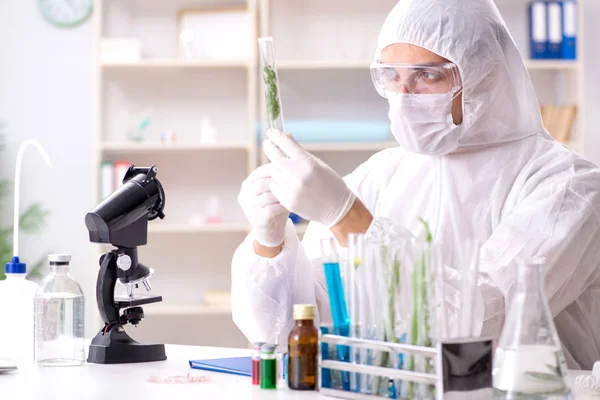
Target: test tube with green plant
pixel 271 83
pixel 422 332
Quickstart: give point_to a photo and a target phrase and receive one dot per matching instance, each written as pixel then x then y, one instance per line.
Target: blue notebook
pixel 237 365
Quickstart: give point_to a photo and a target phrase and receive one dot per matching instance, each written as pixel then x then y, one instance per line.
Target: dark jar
pixel 303 349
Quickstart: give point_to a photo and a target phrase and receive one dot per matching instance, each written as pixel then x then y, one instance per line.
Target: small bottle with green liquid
pixel 268 367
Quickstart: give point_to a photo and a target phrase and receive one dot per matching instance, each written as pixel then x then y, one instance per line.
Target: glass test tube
pixel 335 287
pixel 271 83
pixel 469 271
pixel 353 264
pixel 337 300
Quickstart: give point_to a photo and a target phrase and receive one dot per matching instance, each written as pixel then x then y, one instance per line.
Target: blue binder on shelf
pixel 538 29
pixel 555 29
pixel 236 365
pixel 569 25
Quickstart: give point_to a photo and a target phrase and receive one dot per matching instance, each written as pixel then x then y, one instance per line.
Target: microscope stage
pixel 137 300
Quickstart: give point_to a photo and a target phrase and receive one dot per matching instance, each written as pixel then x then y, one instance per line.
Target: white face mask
pixel 423 123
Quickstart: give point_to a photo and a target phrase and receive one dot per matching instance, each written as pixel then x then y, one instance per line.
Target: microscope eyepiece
pixel 122 218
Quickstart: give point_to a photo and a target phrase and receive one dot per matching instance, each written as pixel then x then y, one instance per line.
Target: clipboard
pixel 236 365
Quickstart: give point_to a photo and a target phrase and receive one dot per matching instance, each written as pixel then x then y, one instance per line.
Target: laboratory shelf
pixel 186 310
pixel 206 228
pixel 210 228
pixel 169 147
pixel 321 64
pixel 348 146
pixel 542 65
pixel 175 64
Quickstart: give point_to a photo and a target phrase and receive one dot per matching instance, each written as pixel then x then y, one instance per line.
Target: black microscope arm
pixel 105 289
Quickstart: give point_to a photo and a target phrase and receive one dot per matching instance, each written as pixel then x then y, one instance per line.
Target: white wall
pixel 46 93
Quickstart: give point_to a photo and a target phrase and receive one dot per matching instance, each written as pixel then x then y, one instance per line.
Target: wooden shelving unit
pixel 180 92
pixel 144 147
pixel 175 64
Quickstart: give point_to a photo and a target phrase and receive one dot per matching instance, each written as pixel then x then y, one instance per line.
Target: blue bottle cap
pixel 15 267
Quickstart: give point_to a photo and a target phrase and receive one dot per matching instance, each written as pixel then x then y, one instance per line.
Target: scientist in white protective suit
pixel 474 160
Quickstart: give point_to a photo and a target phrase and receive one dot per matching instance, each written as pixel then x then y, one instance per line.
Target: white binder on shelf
pixel 569 24
pixel 555 29
pixel 538 29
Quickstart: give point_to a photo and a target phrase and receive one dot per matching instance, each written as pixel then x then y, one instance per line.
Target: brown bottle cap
pixel 304 311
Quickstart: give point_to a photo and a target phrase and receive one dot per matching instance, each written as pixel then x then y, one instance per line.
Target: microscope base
pixel 117 347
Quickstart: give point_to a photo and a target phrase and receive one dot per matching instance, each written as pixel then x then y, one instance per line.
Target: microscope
pixel 121 220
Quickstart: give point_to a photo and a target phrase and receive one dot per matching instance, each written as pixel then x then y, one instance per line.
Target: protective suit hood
pixel 499 102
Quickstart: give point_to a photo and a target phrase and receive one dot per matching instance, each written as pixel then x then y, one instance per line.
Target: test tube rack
pixel 473 355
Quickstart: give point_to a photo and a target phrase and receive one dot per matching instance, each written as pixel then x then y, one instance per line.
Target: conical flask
pixel 529 362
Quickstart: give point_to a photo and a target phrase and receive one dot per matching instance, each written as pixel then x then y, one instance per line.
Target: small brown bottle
pixel 303 349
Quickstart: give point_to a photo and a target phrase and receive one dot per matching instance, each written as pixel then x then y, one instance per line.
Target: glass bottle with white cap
pixel 59 317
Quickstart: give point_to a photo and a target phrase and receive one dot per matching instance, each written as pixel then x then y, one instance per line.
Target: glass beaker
pixel 529 361
pixel 271 83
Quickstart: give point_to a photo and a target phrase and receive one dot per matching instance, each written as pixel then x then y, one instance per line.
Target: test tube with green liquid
pixel 271 83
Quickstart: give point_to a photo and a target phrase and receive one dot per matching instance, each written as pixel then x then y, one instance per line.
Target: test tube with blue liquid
pixel 337 300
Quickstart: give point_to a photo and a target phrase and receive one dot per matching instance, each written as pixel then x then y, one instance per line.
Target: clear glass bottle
pixel 303 349
pixel 529 361
pixel 59 317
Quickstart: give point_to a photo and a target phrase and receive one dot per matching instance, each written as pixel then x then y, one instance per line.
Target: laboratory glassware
pixel 303 349
pixel 529 362
pixel 59 317
pixel 337 299
pixel 268 367
pixel 356 302
pixel 426 306
pixel 256 352
pixel 335 286
pixel 271 83
pixel 464 357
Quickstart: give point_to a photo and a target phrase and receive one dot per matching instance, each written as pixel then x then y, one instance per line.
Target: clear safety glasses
pixel 438 79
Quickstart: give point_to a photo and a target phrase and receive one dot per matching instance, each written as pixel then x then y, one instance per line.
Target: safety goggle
pixel 439 78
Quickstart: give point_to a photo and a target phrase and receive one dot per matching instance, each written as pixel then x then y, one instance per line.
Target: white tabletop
pixel 146 381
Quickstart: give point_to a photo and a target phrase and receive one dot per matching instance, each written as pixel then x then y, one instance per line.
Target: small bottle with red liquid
pixel 256 352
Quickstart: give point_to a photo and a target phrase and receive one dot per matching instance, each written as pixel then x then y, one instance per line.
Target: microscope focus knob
pixel 124 262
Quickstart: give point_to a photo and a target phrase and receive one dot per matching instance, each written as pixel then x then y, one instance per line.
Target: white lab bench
pixel 148 381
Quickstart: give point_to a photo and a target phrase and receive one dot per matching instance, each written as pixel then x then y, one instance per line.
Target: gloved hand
pixel 264 212
pixel 304 184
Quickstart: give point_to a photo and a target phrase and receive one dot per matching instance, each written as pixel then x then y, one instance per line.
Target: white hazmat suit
pixel 504 180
